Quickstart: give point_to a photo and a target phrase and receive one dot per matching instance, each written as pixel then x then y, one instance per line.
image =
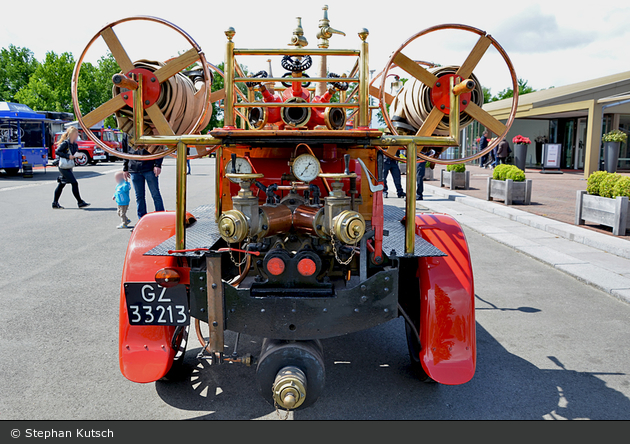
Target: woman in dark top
pixel 67 147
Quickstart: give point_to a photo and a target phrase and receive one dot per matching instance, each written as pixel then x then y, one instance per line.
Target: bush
pixel 593 182
pixel 516 174
pixel 458 167
pixel 607 184
pixel 622 187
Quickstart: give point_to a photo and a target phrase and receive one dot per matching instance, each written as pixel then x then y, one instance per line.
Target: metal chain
pixel 275 404
pixel 332 240
pixel 238 264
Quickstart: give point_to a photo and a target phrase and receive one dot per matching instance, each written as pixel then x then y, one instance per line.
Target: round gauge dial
pixel 306 167
pixel 242 167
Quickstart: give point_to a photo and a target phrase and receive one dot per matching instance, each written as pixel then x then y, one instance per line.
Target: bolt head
pixel 214 285
pixel 442 107
pixel 438 84
pixel 464 102
pixel 153 79
pixel 146 102
pixel 125 97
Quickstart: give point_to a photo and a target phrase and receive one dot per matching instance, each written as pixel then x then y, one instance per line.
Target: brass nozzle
pixel 289 388
pixel 233 226
pixel 349 226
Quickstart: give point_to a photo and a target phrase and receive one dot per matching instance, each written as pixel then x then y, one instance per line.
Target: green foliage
pixel 16 67
pixel 594 181
pixel 487 95
pixel 615 136
pixel 458 167
pixel 503 172
pixel 523 88
pixel 622 187
pixel 608 184
pixel 516 174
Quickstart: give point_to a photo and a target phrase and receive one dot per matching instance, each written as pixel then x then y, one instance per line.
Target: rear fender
pixel 145 352
pixel 447 303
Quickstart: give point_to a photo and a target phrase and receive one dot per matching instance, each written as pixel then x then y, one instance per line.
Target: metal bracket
pixel 373 188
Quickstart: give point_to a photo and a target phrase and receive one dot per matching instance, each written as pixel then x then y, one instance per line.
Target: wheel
pixel 177 371
pixel 436 88
pixel 413 344
pixel 159 82
pixel 82 159
pixel 12 171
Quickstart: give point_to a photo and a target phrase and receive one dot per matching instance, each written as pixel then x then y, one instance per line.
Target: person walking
pixel 392 165
pixel 143 172
pixel 66 150
pixel 503 151
pixel 483 144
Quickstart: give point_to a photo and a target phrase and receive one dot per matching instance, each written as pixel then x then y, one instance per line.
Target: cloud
pixel 532 31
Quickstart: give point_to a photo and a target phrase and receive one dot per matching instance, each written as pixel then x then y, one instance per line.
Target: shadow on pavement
pixel 369 377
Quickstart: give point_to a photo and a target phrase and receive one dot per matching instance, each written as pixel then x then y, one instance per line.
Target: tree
pixel 16 67
pixel 487 95
pixel 523 88
pixel 95 85
pixel 48 88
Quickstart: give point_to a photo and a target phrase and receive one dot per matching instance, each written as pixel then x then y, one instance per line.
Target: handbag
pixel 66 164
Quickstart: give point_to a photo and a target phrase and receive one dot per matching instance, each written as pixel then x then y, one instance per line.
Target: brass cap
pixel 233 226
pixel 349 226
pixel 289 388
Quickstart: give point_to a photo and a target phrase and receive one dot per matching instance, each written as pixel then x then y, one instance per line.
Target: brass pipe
pixel 138 110
pixel 410 207
pixel 190 139
pixel 228 102
pixel 418 140
pixel 180 204
pixel 217 183
pixel 364 76
pixel 355 69
pixel 298 51
pixel 453 117
pixel 465 86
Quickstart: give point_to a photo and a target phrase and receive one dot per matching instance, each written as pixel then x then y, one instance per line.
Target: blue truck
pixel 22 137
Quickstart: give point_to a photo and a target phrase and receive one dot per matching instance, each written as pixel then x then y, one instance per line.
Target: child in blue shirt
pixel 121 196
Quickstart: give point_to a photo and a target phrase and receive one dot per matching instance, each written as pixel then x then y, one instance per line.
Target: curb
pixel 605 280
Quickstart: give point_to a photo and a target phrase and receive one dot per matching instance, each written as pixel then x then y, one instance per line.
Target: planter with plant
pixel 508 183
pixel 455 176
pixel 612 143
pixel 521 144
pixel 606 201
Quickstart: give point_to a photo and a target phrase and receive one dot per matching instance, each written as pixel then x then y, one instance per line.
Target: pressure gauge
pixel 242 167
pixel 306 167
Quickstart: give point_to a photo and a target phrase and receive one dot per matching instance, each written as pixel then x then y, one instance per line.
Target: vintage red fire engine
pixel 298 245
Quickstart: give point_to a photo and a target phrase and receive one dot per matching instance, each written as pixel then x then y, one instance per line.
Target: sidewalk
pixel 600 260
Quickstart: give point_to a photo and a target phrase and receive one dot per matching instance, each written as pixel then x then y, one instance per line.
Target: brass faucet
pixel 325 31
pixel 298 38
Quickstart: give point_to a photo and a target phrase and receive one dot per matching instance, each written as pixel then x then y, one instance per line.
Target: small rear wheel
pixel 413 344
pixel 177 370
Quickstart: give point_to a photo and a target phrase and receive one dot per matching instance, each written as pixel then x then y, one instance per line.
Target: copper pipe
pixel 292 187
pixel 304 218
pixel 278 219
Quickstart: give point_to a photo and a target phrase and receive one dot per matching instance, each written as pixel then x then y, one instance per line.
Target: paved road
pixel 548 345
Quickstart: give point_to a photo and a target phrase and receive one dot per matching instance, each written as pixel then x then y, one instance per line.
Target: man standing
pixel 392 165
pixel 483 144
pixel 141 172
pixel 503 151
pixel 420 170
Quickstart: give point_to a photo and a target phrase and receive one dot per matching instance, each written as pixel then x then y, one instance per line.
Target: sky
pixel 550 43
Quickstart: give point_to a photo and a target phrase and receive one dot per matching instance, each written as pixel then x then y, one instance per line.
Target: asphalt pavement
pixel 549 346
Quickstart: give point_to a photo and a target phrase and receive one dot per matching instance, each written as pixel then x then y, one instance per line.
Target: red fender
pixel 145 352
pixel 447 303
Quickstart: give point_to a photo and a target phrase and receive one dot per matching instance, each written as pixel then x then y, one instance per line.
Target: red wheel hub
pixel 440 94
pixel 150 88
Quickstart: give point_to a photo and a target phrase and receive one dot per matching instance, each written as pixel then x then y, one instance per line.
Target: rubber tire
pixel 89 159
pixel 177 372
pixel 413 345
pixel 12 171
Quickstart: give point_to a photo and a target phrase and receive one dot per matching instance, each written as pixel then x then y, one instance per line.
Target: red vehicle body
pixel 299 245
pixel 93 153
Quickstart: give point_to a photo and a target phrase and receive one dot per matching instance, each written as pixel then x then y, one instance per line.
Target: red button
pixel 307 267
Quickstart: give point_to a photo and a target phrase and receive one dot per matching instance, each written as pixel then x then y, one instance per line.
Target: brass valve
pixel 289 388
pixel 233 226
pixel 298 38
pixel 325 31
pixel 349 227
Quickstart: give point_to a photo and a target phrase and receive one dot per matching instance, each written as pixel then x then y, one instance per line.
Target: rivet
pixel 386 289
pixel 262 310
pixel 464 102
pixel 293 310
pixel 363 288
pixel 201 278
pixel 386 310
pixel 386 278
pixel 325 310
pixel 146 346
pixel 356 310
pixel 214 285
pixel 128 347
pixel 203 310
pixel 200 288
pixel 433 349
pixel 233 310
pixel 442 106
pixel 363 298
pixel 146 102
pixel 163 347
pixel 215 324
pixel 125 97
pixel 153 79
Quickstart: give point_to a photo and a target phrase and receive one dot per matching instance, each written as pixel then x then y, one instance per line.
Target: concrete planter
pixel 454 180
pixel 604 211
pixel 509 191
pixel 428 174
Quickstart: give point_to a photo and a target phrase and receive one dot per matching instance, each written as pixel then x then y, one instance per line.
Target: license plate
pixel 152 304
pixel 103 157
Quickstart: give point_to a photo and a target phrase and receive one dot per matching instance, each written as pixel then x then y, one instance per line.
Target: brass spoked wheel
pixel 469 109
pixel 154 84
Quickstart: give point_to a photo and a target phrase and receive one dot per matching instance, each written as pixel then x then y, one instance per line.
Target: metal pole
pixel 138 109
pixel 453 116
pixel 228 103
pixel 364 110
pixel 410 213
pixel 180 209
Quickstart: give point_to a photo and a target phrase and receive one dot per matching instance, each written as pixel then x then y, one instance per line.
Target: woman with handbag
pixel 66 149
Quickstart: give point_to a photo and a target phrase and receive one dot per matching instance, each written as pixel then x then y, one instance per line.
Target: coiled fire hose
pixel 181 102
pixel 413 103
